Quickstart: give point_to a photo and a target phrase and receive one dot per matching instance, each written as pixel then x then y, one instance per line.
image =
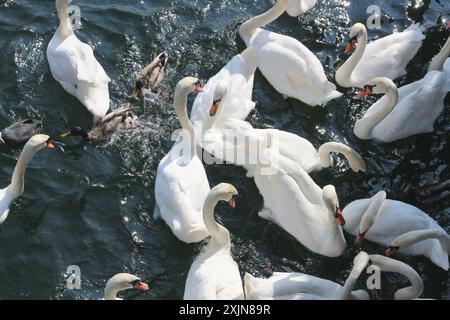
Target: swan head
pixel 379 85
pixel 224 192
pixel 355 31
pixel 220 92
pixel 331 201
pixel 37 143
pixel 188 85
pixel 121 282
pixel 368 218
pixel 62 4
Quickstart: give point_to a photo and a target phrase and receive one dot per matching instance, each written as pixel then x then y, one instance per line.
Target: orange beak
pixel 232 202
pixel 50 145
pixel 364 92
pixel 141 286
pixel 391 251
pixel 198 88
pixel 350 46
pixel 214 109
pixel 340 218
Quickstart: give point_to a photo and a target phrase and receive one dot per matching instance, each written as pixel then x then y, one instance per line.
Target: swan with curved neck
pixel 214 275
pixel 303 209
pixel 388 56
pixel 398 226
pixel 290 67
pixel 181 185
pixel 73 64
pixel 121 282
pixel 390 265
pixel 300 286
pixel 16 188
pixel 400 113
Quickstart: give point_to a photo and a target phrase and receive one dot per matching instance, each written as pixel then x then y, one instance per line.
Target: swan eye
pixel 135 282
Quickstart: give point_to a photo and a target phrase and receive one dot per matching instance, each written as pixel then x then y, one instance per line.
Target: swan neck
pixel 111 292
pixel 18 177
pixel 364 126
pixel 219 234
pixel 413 237
pixel 248 28
pixel 181 101
pixel 65 27
pixel 415 290
pixel 438 62
pixel 351 64
pixel 350 283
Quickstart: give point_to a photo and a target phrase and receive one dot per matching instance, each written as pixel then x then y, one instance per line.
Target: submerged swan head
pixel 355 32
pixel 379 85
pixel 220 92
pixel 121 282
pixel 331 201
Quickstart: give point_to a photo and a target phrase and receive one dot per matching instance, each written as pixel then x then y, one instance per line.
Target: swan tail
pixel 334 94
pixel 355 161
pixel 196 234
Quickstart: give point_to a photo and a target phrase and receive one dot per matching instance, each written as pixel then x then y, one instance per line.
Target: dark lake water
pixel 92 205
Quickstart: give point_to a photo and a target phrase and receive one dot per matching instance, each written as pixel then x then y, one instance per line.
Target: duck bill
pixel 364 93
pixel 232 203
pixel 214 109
pixel 136 93
pixel 141 286
pixel 66 135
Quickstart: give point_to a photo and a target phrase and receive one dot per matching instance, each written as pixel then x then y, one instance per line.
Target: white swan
pixel 74 66
pixel 409 110
pixel 181 183
pixel 231 89
pixel 389 265
pixel 296 8
pixel 300 286
pixel 385 57
pixel 294 202
pixel 399 226
pixel 290 67
pixel 236 138
pixel 16 188
pixel 121 282
pixel 214 275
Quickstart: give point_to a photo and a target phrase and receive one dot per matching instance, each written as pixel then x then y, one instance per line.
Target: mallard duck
pixel 122 119
pixel 18 134
pixel 151 76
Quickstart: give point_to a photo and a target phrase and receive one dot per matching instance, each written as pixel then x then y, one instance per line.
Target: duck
pixel 399 227
pixel 309 213
pixel 401 112
pixel 386 264
pixel 214 275
pixel 151 76
pixel 230 90
pixel 121 282
pixel 301 286
pixel 18 134
pixel 385 57
pixel 73 64
pixel 16 188
pixel 181 185
pixel 103 130
pixel 289 66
